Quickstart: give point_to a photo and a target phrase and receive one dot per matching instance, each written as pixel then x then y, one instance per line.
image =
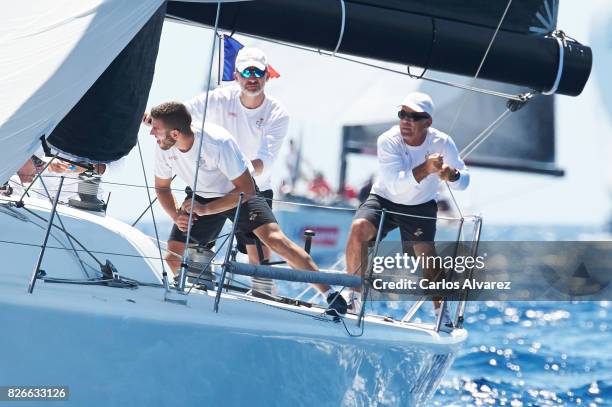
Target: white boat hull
pixel 116 346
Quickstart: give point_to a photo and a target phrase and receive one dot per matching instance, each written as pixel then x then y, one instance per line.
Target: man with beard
pixel 258 123
pixel 223 174
pixel 413 158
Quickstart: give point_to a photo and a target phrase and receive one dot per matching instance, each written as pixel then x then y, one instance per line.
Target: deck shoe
pixel 336 304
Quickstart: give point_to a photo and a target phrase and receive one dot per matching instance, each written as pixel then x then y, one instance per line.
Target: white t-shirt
pixel 396 160
pixel 259 132
pixel 221 162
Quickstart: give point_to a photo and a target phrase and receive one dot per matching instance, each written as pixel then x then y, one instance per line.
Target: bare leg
pixel 252 253
pixel 174 256
pixel 362 231
pixel 272 236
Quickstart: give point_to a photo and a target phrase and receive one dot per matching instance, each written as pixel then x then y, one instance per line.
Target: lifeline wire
pixel 484 57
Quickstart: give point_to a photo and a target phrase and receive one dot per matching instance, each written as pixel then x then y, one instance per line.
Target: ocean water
pixel 533 354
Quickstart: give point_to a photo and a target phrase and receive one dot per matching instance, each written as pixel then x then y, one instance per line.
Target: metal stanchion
pixel 226 263
pixel 44 245
pixel 366 289
pixel 462 303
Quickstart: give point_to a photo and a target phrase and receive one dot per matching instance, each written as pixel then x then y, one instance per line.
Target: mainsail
pixel 80 71
pixel 440 35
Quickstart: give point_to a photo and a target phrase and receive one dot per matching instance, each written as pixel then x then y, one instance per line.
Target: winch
pixel 200 267
pixel 89 192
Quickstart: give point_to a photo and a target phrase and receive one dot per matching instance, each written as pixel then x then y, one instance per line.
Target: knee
pixel 361 231
pixel 277 241
pixel 174 254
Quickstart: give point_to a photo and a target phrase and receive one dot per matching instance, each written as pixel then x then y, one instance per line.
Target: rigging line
pixel 320 317
pixel 201 142
pixel 484 57
pixel 144 173
pixel 483 133
pixel 446 218
pixel 150 204
pixel 38 175
pixel 316 317
pixel 19 184
pixel 465 95
pixel 39 245
pixel 26 219
pixel 273 200
pixel 471 150
pixel 502 95
pixel 75 239
pixel 138 256
pixel 210 262
pixel 452 195
pixel 59 218
pixel 342 24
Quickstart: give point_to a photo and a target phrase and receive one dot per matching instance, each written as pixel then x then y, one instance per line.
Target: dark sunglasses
pixel 252 71
pixel 404 115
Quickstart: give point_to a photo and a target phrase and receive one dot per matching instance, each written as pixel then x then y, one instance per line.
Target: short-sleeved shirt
pixel 396 160
pixel 221 162
pixel 259 132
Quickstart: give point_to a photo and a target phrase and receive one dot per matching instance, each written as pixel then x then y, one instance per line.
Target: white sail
pixel 50 55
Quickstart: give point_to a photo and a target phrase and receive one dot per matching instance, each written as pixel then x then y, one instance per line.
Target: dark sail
pixel 448 36
pixel 103 125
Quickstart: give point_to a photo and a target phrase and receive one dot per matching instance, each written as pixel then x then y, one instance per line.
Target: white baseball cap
pixel 248 57
pixel 419 102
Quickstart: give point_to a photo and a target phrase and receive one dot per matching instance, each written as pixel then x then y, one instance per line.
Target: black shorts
pixel 244 239
pixel 253 213
pixel 412 228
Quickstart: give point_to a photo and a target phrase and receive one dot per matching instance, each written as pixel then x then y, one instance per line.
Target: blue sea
pixel 532 353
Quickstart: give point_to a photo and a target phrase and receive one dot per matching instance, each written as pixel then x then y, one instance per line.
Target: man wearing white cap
pixel 413 158
pixel 257 122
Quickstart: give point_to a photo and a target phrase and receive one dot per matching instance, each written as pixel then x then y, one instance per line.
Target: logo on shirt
pixel 172 157
pixel 259 122
pixel 232 114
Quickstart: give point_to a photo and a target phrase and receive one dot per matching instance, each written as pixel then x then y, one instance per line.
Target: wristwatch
pixel 456 175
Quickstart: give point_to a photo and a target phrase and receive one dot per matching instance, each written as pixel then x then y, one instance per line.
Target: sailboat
pixel 90 310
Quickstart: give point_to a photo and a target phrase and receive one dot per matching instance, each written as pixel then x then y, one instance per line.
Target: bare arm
pixel 27 171
pixel 432 164
pixel 167 201
pixel 244 183
pixel 258 165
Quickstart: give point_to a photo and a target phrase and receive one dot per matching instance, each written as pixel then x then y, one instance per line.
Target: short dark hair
pixel 174 115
